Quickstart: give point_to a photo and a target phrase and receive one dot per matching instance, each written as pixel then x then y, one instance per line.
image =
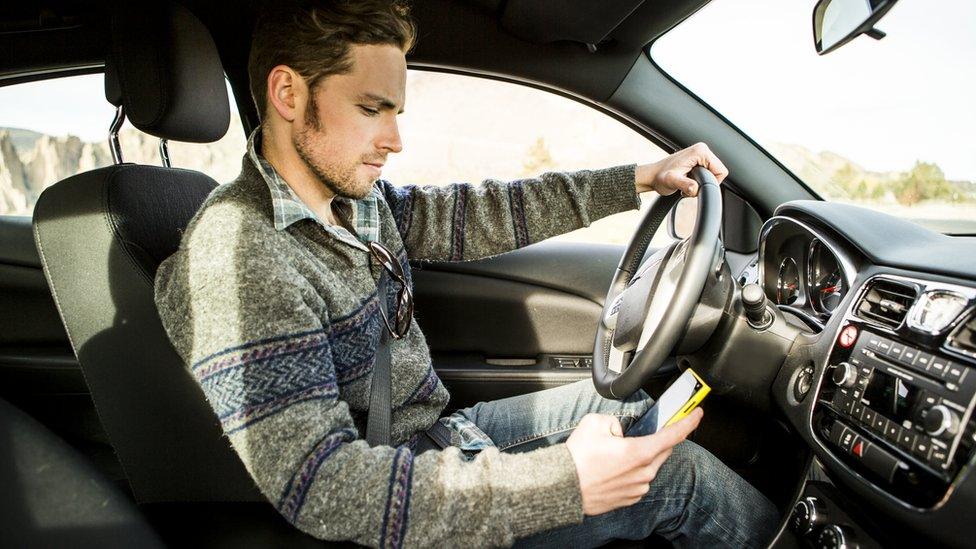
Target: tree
pixel 925 181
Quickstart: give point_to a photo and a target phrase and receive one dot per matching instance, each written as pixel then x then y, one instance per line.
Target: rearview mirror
pixel 837 22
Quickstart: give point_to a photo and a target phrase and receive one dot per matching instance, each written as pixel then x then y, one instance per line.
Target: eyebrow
pixel 383 102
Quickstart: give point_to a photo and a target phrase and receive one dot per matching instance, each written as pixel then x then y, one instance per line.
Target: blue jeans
pixel 694 501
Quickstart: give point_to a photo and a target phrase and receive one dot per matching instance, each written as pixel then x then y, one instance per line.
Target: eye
pixel 369 111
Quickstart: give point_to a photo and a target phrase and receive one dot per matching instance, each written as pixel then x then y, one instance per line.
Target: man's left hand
pixel 670 174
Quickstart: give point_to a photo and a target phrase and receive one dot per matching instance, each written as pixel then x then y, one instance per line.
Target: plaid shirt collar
pixel 289 209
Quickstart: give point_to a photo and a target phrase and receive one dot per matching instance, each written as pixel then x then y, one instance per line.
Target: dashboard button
pixel 939 458
pixel 868 416
pixel 847 439
pixel 954 372
pixel 884 346
pixel 937 366
pixel 908 355
pixel 857 410
pixel 880 423
pixel 923 360
pixel 840 401
pixel 929 399
pixel 873 341
pixel 906 440
pixel 837 431
pixel 922 447
pixel 896 350
pixel 892 432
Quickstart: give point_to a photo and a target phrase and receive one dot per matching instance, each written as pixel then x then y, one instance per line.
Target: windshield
pixel 886 124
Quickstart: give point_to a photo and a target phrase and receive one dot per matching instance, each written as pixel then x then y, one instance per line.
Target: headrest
pixel 164 69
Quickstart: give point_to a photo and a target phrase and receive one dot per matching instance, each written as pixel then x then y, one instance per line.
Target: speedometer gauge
pixel 827 286
pixel 788 282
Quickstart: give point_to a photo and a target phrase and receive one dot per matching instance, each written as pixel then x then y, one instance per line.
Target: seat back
pixel 102 234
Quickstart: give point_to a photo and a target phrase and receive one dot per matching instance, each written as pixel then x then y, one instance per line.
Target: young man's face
pixel 346 138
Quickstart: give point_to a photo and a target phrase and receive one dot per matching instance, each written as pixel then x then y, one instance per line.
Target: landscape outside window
pixel 454 128
pixel 53 129
pixel 884 124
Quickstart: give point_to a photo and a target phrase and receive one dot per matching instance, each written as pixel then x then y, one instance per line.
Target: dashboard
pixel 882 384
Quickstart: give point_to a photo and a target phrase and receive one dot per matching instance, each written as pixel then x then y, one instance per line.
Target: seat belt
pixel 378 420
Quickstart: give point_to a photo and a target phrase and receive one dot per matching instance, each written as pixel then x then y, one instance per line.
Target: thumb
pixel 615 428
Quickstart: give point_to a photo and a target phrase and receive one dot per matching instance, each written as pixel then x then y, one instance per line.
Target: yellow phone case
pixel 692 402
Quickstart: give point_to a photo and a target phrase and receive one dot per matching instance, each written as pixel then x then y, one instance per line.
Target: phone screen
pixel 674 400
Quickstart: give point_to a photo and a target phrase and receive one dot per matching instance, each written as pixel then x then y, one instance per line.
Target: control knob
pixel 835 536
pixel 754 304
pixel 940 421
pixel 844 375
pixel 808 515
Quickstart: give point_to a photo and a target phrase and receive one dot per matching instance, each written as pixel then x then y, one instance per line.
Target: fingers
pixel 676 180
pixel 615 428
pixel 679 430
pixel 671 435
pixel 707 159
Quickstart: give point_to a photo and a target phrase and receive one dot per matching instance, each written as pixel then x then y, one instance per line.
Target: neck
pixel 278 150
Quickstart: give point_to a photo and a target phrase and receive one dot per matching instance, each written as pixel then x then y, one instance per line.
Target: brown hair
pixel 314 38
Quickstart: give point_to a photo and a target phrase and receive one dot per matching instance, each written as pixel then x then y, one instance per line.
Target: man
pixel 272 302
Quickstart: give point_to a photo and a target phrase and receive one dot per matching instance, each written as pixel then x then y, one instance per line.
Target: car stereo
pixel 897 414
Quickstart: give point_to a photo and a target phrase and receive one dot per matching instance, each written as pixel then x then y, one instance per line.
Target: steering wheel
pixel 650 302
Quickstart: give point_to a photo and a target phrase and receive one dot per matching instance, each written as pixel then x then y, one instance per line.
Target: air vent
pixel 964 338
pixel 886 302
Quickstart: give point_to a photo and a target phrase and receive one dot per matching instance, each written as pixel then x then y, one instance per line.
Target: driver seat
pixel 102 234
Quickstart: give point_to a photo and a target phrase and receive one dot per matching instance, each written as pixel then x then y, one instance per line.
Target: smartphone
pixel 678 401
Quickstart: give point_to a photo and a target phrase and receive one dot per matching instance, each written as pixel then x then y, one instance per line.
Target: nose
pixel 389 139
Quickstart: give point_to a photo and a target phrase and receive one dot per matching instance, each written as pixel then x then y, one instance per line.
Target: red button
pixel 847 336
pixel 858 449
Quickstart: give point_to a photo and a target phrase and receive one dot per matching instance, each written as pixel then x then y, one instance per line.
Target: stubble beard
pixel 341 181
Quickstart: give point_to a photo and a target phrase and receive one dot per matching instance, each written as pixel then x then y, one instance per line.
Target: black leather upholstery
pixel 101 236
pixel 53 497
pixel 169 74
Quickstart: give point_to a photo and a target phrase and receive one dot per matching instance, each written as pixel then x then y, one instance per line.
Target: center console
pixel 896 402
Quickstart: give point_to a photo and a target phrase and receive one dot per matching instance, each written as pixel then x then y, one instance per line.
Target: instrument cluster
pixel 801 270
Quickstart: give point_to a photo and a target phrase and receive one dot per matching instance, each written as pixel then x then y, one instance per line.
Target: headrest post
pixel 113 135
pixel 164 152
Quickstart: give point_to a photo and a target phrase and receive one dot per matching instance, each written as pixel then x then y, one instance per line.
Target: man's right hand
pixel 615 471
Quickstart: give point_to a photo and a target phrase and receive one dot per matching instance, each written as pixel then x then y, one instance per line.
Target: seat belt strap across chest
pixel 380 405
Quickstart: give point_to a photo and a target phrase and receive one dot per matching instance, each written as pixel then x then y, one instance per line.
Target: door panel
pixel 514 323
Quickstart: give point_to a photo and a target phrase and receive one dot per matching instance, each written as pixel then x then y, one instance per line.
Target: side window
pixel 461 128
pixel 53 129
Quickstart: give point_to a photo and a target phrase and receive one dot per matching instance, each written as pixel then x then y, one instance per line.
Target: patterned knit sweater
pixel 280 327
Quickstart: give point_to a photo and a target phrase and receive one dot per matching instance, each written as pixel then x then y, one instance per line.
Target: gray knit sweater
pixel 280 327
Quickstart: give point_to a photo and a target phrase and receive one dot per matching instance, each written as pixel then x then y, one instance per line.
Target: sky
pixel 883 104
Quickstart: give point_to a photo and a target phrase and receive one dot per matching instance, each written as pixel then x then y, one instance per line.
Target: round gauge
pixel 827 286
pixel 788 282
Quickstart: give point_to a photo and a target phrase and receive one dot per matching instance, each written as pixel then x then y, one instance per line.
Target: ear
pixel 287 92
